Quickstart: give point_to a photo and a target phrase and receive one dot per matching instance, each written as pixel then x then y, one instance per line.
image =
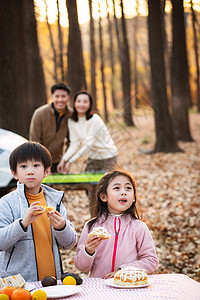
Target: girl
pixel 88 131
pixel 130 244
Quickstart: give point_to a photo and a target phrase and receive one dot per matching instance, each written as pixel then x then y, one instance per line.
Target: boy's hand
pixel 92 243
pixel 56 220
pixel 29 216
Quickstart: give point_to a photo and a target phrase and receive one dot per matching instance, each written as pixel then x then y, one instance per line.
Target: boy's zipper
pixel 117 226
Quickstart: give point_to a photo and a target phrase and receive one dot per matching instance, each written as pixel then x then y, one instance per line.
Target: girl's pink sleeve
pixel 83 261
pixel 147 258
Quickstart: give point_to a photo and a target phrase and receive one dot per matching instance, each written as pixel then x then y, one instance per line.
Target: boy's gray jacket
pixel 17 249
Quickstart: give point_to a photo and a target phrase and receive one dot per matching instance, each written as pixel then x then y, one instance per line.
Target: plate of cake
pixel 129 277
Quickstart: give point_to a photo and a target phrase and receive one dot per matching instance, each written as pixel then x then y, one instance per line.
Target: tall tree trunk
pixel 126 78
pixel 126 94
pixel 92 58
pixel 111 57
pixel 60 39
pixel 118 36
pixel 167 58
pixel 102 67
pixel 55 76
pixel 34 71
pixel 165 138
pixel 194 20
pixel 76 70
pixel 22 83
pixel 181 97
pixel 12 96
pixel 135 58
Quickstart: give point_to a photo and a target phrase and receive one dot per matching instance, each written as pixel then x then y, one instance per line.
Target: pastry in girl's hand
pixel 100 232
pixel 47 209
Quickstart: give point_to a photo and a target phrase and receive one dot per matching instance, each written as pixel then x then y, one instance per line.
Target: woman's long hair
pixel 89 113
pixel 101 208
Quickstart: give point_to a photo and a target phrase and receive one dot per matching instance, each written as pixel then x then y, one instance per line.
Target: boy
pixel 28 239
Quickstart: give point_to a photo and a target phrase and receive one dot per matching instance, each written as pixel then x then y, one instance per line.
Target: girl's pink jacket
pixel 134 247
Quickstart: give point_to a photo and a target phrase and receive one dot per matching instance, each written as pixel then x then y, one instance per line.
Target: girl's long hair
pixel 89 113
pixel 101 208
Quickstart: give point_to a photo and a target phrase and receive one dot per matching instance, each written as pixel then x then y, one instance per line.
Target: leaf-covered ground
pixel 168 192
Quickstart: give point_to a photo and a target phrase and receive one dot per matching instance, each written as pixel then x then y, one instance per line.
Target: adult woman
pixel 88 134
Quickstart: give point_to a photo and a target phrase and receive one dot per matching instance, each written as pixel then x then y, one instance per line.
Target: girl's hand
pixel 29 216
pixel 109 275
pixel 66 167
pixel 61 165
pixel 92 243
pixel 56 220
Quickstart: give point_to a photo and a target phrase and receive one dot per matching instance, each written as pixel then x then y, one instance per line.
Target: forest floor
pixel 168 192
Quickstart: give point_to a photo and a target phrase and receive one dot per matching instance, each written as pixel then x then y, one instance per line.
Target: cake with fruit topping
pixel 131 276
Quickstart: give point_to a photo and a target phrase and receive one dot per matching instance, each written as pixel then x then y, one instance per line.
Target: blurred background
pixel 140 61
pixel 128 54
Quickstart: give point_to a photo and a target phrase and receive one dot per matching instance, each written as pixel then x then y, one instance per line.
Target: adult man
pixel 49 123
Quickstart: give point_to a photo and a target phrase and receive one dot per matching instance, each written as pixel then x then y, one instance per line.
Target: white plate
pixel 110 282
pixel 57 291
pixel 29 286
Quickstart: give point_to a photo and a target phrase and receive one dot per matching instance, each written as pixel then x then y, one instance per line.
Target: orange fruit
pixel 4 297
pixel 39 295
pixel 69 280
pixel 21 294
pixel 8 290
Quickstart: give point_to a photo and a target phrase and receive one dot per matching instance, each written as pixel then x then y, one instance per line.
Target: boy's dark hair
pixel 74 115
pixel 30 151
pixel 101 207
pixel 60 86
